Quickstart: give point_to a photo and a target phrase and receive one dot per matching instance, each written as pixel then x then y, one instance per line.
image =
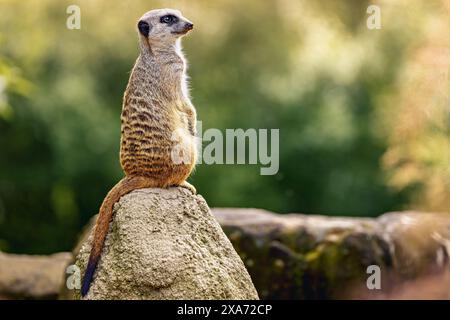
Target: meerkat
pixel 157 115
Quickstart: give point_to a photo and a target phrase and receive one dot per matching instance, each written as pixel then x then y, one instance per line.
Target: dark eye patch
pixel 144 28
pixel 169 19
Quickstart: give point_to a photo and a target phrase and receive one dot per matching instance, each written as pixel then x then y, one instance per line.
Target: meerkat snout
pixel 183 28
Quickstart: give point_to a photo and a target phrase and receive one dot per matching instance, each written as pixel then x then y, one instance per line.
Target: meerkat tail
pixel 123 187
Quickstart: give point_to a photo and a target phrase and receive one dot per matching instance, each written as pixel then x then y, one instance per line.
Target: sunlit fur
pixel 156 104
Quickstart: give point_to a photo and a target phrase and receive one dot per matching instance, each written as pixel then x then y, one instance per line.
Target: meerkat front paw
pixel 188 186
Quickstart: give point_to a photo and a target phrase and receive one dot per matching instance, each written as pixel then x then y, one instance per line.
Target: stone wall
pixel 299 256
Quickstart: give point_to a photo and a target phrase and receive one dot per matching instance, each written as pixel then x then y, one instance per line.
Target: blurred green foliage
pixel 312 69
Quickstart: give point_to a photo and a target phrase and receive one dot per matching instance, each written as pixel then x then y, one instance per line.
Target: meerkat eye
pixel 169 19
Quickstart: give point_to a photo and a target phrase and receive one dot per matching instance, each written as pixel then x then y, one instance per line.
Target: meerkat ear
pixel 144 28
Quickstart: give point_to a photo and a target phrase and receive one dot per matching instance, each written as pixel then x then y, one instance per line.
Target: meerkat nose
pixel 189 26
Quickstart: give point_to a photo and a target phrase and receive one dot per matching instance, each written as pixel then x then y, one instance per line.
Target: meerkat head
pixel 163 27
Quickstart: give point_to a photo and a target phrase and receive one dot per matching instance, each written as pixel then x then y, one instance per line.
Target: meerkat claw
pixel 188 186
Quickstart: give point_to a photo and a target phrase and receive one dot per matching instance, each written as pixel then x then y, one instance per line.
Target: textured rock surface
pixel 308 257
pixel 288 256
pixel 166 244
pixel 36 277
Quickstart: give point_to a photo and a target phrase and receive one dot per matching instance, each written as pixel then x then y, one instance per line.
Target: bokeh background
pixel 364 115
